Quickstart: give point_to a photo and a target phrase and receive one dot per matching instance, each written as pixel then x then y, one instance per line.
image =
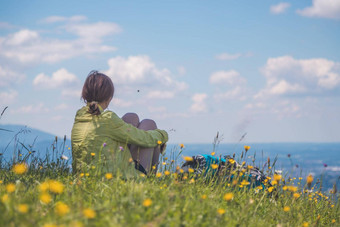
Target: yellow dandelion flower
pixel 130 160
pixel 108 176
pixel 188 158
pixel 93 167
pixel 163 163
pixel 243 163
pixel 228 196
pixel 185 177
pixel 181 171
pixel 142 175
pixel 270 189
pixel 284 188
pixel 310 179
pixel 23 208
pixel 45 198
pixel 305 224
pixel 244 182
pixel 246 148
pixel 81 174
pixel 61 209
pixel 191 170
pixel 10 187
pixel 153 167
pixel 93 154
pixel 234 182
pixel 181 145
pixel 277 177
pixel 50 225
pixel 159 142
pixel 214 166
pixel 158 175
pixel 203 196
pixel 20 168
pixel 166 173
pixel 147 202
pixel 292 188
pixel 232 161
pixel 300 178
pixel 259 187
pixel 56 187
pixel 1 181
pixel 250 167
pixel 274 182
pixel 221 211
pixel 213 153
pixel 296 195
pixel 333 220
pixel 192 181
pixel 5 198
pixel 87 174
pixel 89 213
pixel 286 209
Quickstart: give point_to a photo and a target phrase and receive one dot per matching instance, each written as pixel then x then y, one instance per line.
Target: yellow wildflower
pixel 45 198
pixel 274 182
pixel 277 177
pixel 20 168
pixel 81 174
pixel 284 188
pixel 93 167
pixel 181 171
pixel 50 225
pixel 61 209
pixel 166 173
pixel 234 182
pixel 181 145
pixel 270 189
pixel 192 181
pixel 87 174
pixel 228 196
pixel 23 208
pixel 130 160
pixel 89 213
pixel 191 170
pixel 232 161
pixel 292 188
pixel 204 196
pixel 56 187
pixel 93 154
pixel 214 166
pixel 333 220
pixel 10 187
pixel 188 158
pixel 221 211
pixel 310 179
pixel 286 209
pixel 147 202
pixel 158 174
pixel 244 182
pixel 5 198
pixel 185 177
pixel 305 224
pixel 296 195
pixel 108 176
pixel 250 167
pixel 246 148
pixel 163 163
pixel 159 142
pixel 213 153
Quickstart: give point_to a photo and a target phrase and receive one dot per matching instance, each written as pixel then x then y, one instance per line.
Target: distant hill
pixel 34 139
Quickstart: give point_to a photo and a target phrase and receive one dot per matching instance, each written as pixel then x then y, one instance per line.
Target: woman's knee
pixel 131 118
pixel 147 124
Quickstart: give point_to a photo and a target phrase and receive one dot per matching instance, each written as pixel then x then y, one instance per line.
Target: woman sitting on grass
pixel 100 139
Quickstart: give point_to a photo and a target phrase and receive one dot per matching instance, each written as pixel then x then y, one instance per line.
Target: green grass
pixel 166 200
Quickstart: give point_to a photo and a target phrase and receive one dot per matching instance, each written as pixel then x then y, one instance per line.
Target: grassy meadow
pixel 44 192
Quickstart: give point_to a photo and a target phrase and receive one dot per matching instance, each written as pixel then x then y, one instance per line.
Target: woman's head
pixel 98 88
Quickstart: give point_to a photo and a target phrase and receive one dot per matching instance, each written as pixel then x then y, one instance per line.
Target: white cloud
pixel 322 8
pixel 120 102
pixel 8 77
pixel 226 56
pixel 199 104
pixel 58 79
pixel 32 109
pixel 231 77
pixel 8 97
pixel 238 93
pixel 28 46
pixel 181 70
pixel 56 19
pixel 279 8
pixel 286 75
pixel 140 73
pixel 71 93
pixel 160 95
pixel 62 106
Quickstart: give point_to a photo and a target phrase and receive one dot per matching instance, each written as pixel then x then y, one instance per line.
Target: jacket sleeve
pixel 128 134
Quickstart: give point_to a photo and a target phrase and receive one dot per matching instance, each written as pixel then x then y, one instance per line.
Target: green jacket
pixel 100 141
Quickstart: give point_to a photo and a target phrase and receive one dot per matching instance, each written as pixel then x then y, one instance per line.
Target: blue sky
pixel 270 69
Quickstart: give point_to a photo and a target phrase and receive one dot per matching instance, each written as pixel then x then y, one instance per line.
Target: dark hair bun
pixel 94 108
